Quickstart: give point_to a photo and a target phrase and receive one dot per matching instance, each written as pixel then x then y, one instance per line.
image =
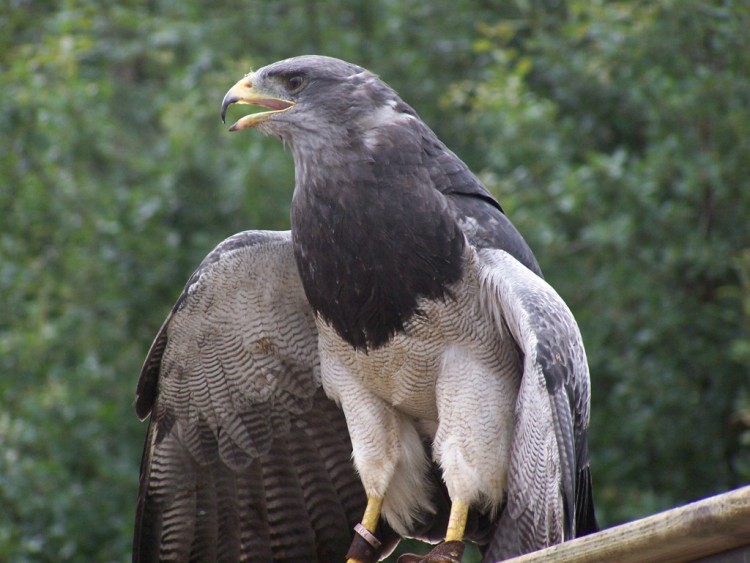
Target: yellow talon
pixel 370 518
pixel 457 521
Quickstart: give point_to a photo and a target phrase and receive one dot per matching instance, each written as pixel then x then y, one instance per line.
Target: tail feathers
pixel 585 516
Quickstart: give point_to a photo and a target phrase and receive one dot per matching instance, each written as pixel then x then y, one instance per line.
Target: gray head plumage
pixel 312 96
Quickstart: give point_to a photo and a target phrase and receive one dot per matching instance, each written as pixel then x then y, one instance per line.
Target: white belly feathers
pixel 405 371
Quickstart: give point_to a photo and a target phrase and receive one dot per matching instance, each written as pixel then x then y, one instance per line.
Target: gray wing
pixel 245 457
pixel 549 497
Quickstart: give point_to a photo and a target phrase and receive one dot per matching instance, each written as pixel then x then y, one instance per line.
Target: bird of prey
pixel 394 366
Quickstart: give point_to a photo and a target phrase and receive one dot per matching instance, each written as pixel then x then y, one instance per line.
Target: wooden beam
pixel 688 533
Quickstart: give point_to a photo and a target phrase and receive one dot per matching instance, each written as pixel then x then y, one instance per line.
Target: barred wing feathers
pixel 245 457
pixel 549 483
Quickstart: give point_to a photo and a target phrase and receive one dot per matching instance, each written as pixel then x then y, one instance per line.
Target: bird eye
pixel 293 83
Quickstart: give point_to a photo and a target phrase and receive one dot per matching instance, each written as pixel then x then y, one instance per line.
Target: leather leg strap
pixel 365 547
pixel 446 552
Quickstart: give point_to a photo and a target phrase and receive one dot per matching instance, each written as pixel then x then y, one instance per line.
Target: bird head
pixel 306 95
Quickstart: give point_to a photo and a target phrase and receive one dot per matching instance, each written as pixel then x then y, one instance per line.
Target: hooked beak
pixel 244 93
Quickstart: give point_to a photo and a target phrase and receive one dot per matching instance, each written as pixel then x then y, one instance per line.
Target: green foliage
pixel 616 135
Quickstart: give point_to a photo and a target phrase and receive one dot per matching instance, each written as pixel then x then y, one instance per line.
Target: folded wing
pixel 245 457
pixel 549 484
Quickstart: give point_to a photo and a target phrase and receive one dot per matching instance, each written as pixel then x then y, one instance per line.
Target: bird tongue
pixel 274 104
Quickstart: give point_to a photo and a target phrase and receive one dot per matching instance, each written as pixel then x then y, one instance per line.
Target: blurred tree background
pixel 615 133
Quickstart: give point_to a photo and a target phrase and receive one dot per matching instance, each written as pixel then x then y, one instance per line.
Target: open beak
pixel 244 93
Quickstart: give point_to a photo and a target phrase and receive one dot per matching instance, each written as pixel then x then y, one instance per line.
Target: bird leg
pixel 365 546
pixel 457 521
pixel 452 549
pixel 372 513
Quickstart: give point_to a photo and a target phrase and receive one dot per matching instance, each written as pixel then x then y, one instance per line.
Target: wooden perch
pixel 689 533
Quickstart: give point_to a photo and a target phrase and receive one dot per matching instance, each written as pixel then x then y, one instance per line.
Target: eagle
pixel 394 366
